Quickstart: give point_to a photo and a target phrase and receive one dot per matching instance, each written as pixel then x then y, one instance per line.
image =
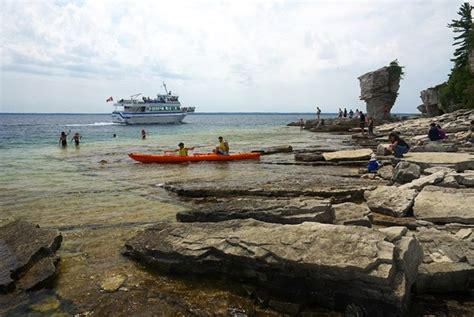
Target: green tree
pixel 459 89
pixel 463 26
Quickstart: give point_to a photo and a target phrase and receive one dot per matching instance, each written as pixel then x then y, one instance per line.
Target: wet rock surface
pixel 444 205
pixel 333 265
pixel 285 211
pixel 27 259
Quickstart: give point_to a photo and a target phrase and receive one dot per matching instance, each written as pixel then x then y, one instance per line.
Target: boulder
pixel 385 172
pixel 465 179
pixel 352 214
pixel 390 200
pixel 27 256
pixel 379 89
pixel 383 149
pixel 446 267
pixel 445 205
pixel 280 210
pixel 405 172
pixel 328 265
pixel 348 155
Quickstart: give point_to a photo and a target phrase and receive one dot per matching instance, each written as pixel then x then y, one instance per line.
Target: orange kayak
pixel 198 157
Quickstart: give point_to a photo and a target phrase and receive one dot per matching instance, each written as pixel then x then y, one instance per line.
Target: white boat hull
pixel 147 118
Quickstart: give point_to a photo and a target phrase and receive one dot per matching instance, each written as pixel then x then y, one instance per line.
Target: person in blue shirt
pixel 373 165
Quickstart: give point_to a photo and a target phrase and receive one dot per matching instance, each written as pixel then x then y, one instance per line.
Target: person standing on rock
pixel 340 113
pixel 371 126
pixel 397 145
pixel 362 122
pixel 345 113
pixel 318 112
pixel 351 114
pixel 143 134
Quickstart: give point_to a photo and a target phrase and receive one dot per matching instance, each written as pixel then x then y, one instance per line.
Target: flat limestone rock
pixel 281 210
pixel 352 214
pixel 390 200
pixel 429 159
pixel 348 155
pixel 444 268
pixel 421 182
pixel 22 244
pixel 445 205
pixel 330 265
pixel 38 274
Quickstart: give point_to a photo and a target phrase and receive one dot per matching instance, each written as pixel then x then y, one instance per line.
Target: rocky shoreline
pixel 308 227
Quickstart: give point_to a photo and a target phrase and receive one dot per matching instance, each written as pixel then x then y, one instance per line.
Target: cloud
pixel 229 49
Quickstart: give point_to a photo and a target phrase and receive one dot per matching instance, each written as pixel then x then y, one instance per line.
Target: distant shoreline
pixel 195 113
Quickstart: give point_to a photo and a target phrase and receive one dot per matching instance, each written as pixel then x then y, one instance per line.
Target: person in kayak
pixel 182 150
pixel 223 147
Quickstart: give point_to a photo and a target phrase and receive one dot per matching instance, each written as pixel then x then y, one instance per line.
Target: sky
pixel 218 55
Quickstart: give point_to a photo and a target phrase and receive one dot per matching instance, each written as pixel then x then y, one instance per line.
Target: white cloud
pixel 219 55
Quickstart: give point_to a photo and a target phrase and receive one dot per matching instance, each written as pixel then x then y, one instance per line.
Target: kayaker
pixel 182 150
pixel 223 147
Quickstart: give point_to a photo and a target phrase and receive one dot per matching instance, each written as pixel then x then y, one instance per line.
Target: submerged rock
pixel 285 211
pixel 27 255
pixel 275 150
pixel 444 205
pixel 330 265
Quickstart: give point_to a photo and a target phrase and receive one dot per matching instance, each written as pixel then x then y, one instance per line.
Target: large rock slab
pixel 275 150
pixel 435 146
pixel 445 205
pixel 430 159
pixel 421 182
pixel 390 200
pixel 348 155
pixel 448 261
pixel 23 246
pixel 330 265
pixel 353 214
pixel 281 210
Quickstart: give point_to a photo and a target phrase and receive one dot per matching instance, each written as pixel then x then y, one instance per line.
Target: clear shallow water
pixel 98 197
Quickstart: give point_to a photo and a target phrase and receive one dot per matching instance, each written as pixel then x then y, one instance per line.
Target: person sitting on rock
pixel 442 132
pixel 397 145
pixel 433 133
pixel 182 150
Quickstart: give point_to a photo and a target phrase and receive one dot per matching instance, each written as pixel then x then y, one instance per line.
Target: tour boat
pixel 160 110
pixel 197 157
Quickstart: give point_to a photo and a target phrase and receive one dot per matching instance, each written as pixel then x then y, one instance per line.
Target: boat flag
pixel 109 99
